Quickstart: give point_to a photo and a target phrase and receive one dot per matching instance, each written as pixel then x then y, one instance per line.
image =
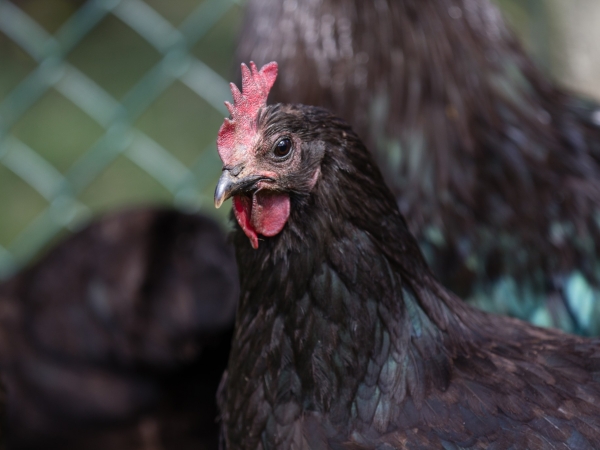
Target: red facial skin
pixel 265 213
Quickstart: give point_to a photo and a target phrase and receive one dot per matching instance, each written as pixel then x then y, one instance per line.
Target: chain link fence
pixel 106 103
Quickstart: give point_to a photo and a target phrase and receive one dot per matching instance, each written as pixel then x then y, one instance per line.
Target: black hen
pixel 344 339
pixel 496 169
pixel 119 336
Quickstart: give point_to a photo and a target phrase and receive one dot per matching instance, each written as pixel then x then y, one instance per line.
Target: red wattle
pixel 242 208
pixel 266 214
pixel 270 212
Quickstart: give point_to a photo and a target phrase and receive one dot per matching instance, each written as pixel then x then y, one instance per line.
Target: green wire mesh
pixel 175 71
pixel 105 103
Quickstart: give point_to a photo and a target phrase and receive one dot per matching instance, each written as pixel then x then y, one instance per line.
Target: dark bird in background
pixel 344 339
pixel 118 337
pixel 496 169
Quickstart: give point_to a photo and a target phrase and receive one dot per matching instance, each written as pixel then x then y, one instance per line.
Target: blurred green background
pixel 111 103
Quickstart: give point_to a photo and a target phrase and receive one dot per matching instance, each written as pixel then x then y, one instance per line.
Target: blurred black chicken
pixel 496 169
pixel 118 337
pixel 344 339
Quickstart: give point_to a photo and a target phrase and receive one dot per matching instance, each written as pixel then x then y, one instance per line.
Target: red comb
pixel 236 133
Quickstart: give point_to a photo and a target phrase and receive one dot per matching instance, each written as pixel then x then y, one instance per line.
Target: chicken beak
pixel 225 188
pixel 230 185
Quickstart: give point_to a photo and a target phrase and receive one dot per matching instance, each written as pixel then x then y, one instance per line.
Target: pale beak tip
pixel 223 189
pixel 219 199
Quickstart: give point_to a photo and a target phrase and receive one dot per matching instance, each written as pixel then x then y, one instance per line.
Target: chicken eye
pixel 283 148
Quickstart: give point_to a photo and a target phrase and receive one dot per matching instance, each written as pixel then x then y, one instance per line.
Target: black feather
pixel 118 337
pixel 495 167
pixel 422 370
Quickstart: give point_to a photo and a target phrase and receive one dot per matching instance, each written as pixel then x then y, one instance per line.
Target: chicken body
pixel 496 169
pixel 119 336
pixel 345 340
